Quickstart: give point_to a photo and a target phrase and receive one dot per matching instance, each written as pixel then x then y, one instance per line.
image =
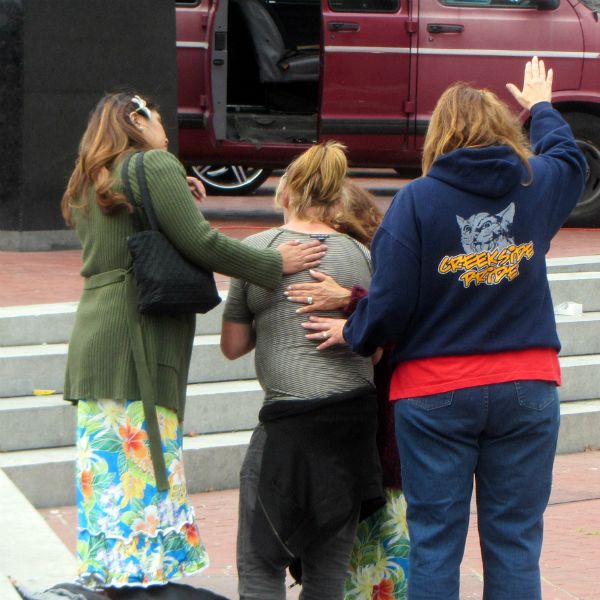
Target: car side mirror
pixel 547 4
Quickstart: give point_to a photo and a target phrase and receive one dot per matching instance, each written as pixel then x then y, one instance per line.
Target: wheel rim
pixel 227 177
pixel 591 194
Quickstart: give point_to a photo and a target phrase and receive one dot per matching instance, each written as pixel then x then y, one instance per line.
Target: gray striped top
pixel 288 365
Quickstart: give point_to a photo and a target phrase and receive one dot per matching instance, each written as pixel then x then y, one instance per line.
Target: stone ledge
pixel 31 554
pixel 36 241
pixel 7 591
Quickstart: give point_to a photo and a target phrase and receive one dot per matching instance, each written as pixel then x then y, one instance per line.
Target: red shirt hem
pixel 426 376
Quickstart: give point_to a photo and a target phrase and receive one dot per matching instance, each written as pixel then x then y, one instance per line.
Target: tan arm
pixel 237 339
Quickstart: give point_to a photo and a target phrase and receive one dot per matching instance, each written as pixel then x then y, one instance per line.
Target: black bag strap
pixel 145 192
pixel 140 175
pixel 147 386
pixel 125 178
pixel 137 220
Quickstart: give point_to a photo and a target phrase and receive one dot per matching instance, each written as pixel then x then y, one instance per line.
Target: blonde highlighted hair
pixel 319 190
pixel 314 182
pixel 109 135
pixel 465 117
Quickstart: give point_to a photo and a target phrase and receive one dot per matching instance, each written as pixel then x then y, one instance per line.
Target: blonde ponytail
pixel 315 180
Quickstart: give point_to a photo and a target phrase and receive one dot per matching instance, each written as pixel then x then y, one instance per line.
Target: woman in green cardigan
pixel 135 525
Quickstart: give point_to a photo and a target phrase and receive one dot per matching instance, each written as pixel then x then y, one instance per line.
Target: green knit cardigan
pixel 100 362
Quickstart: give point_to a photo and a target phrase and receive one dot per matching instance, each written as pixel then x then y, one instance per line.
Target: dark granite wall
pixel 71 52
pixel 11 111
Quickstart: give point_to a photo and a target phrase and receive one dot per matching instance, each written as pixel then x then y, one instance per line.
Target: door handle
pixel 442 28
pixel 336 26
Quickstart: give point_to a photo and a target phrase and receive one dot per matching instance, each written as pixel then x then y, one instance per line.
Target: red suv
pixel 260 80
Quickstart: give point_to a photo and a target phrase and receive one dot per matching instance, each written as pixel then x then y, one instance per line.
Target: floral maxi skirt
pixel 379 562
pixel 129 533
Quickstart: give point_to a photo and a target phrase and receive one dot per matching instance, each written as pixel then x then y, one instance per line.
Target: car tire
pixel 229 180
pixel 586 129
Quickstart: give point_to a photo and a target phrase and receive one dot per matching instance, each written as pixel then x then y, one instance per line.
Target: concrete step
pixel 30 422
pixel 575 279
pixel 36 324
pixel 53 323
pixel 212 462
pixel 573 264
pixel 579 426
pixel 581 287
pixel 25 368
pixel 579 335
pixel 581 377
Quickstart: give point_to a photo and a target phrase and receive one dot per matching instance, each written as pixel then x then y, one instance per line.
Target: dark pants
pixel 324 563
pixel 505 436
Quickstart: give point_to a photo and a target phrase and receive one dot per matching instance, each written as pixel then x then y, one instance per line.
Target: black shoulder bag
pixel 166 282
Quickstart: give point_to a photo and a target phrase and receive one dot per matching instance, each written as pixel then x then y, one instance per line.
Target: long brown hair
pixel 465 117
pixel 359 216
pixel 109 134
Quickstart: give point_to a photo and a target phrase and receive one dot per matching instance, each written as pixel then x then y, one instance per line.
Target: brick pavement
pixel 570 558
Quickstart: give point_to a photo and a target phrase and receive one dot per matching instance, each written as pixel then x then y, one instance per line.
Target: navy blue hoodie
pixel 460 256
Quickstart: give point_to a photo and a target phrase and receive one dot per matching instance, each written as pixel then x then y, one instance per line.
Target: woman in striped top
pixel 312 460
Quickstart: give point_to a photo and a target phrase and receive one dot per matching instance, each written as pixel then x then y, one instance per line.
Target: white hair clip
pixel 142 107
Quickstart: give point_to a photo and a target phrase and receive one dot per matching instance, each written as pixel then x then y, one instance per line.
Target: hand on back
pixel 298 256
pixel 324 294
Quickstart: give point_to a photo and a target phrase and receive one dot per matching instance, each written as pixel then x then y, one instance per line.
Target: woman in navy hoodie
pixel 460 289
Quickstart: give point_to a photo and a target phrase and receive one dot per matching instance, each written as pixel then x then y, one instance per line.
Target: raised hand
pixel 537 84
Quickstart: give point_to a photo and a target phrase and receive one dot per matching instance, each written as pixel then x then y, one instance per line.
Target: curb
pixel 31 553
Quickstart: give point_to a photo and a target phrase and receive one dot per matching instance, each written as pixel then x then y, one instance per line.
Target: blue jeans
pixel 505 436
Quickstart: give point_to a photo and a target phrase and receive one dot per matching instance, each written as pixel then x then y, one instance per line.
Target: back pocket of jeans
pixel 432 402
pixel 536 395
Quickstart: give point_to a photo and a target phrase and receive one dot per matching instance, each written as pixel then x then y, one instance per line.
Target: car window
pixel 364 5
pixel 492 3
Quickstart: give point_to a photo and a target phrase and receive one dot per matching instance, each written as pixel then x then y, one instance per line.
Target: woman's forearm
pixel 237 339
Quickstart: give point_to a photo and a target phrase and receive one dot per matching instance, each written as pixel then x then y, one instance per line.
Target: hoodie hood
pixel 490 172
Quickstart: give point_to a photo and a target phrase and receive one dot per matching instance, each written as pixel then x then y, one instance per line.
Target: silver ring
pixel 325 335
pixel 309 299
